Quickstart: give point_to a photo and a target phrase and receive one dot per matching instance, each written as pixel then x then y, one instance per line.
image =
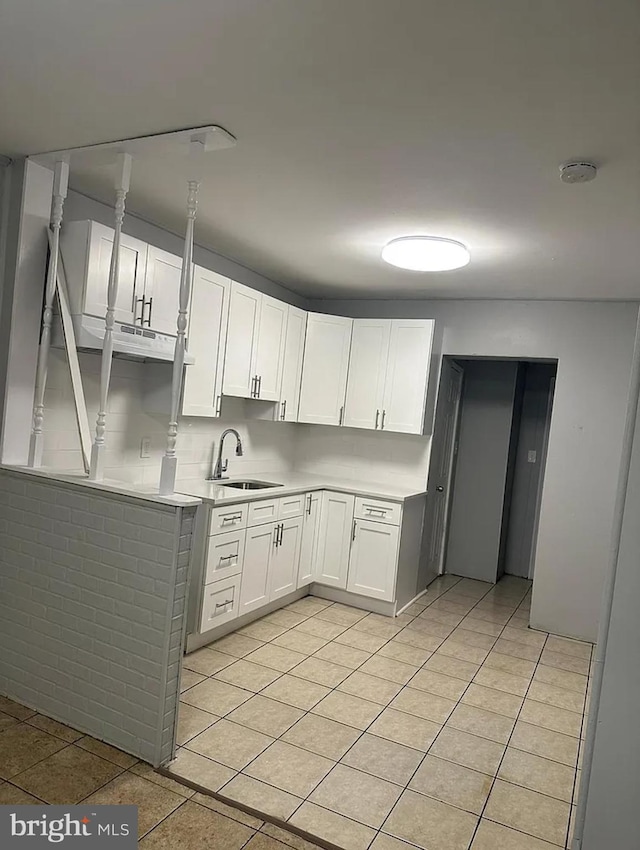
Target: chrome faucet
pixel 221 467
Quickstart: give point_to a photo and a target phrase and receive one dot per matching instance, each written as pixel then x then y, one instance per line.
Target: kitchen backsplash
pixel 269 447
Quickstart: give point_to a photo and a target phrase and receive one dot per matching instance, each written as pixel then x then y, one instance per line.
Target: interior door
pixel 334 539
pixel 373 559
pixel 133 261
pixel 286 557
pixel 206 340
pixel 269 348
pixel 242 332
pixel 443 451
pixel 407 377
pixel 292 365
pixel 258 552
pixel 367 369
pixel 324 369
pixel 162 291
pixel 309 547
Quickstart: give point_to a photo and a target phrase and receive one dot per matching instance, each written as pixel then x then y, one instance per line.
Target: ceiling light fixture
pixel 426 253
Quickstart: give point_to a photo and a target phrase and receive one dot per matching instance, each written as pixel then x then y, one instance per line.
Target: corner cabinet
pixel 255 344
pixel 324 369
pixel 206 341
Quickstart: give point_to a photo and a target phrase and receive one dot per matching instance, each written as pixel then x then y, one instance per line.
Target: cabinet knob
pixel 439 489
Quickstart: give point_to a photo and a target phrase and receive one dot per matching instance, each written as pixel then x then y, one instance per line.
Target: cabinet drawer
pixel 220 603
pixel 291 506
pixel 376 509
pixel 228 518
pixel 225 554
pixel 263 511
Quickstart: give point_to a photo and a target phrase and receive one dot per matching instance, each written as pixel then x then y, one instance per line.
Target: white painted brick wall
pixel 92 595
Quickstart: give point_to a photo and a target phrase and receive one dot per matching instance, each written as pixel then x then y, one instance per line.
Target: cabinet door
pixel 324 369
pixel 162 291
pixel 283 572
pixel 242 331
pixel 334 543
pixel 373 560
pixel 405 388
pixel 269 348
pixel 292 365
pixel 206 340
pixel 133 262
pixel 258 551
pixel 367 368
pixel 309 547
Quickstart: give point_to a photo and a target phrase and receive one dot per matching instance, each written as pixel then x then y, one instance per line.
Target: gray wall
pixel 481 468
pixel 526 480
pixel 612 809
pixel 593 343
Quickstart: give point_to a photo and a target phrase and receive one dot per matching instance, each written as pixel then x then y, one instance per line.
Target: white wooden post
pixel 170 461
pixel 123 176
pixel 60 182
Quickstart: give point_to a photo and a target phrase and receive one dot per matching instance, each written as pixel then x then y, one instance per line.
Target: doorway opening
pixel 487 467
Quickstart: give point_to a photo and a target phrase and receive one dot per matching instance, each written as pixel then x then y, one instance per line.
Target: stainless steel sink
pixel 249 485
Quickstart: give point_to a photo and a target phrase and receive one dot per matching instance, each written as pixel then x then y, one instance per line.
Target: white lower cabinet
pixel 336 526
pixel 255 570
pixel 285 557
pixel 220 603
pixel 373 559
pixel 261 551
pixel 310 535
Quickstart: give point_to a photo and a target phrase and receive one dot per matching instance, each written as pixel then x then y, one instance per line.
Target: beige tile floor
pixel 452 726
pixel 42 761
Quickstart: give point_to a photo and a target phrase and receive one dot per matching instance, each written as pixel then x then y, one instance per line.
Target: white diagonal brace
pixel 60 183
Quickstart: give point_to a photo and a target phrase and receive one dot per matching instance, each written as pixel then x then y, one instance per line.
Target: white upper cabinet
pixel 206 340
pixel 242 334
pixel 148 280
pixel 86 248
pixel 269 349
pixel 292 364
pixel 324 369
pixel 162 291
pixel 367 368
pixel 255 344
pixel 407 375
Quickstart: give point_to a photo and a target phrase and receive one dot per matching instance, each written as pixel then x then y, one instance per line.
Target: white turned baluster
pixel 96 471
pixel 170 461
pixel 60 182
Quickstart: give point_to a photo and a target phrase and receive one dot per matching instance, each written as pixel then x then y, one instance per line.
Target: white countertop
pixel 216 493
pixel 119 488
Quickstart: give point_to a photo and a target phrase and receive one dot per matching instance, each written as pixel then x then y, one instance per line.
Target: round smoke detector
pixel 578 172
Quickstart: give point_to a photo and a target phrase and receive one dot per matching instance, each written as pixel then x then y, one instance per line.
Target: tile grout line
pixel 457 704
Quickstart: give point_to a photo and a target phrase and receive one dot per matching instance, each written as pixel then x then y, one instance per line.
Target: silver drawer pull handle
pixel 376 511
pixel 231 517
pixel 224 604
pixel 228 557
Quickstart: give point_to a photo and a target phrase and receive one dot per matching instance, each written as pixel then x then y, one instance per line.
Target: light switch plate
pixel 145 447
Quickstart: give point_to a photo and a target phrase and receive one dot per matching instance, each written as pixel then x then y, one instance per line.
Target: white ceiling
pixel 358 121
